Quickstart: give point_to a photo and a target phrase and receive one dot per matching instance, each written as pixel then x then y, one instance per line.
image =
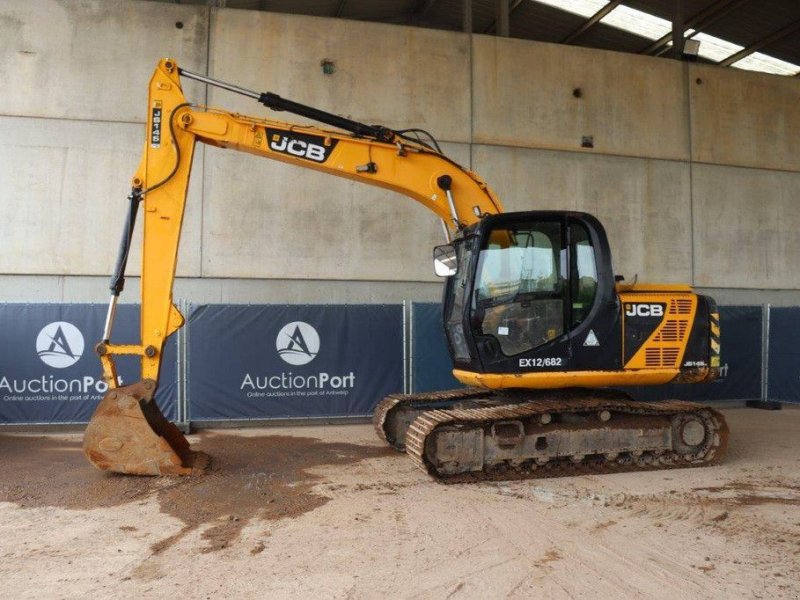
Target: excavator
pixel 540 329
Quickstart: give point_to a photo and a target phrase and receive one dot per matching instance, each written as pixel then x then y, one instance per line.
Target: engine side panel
pixel 656 328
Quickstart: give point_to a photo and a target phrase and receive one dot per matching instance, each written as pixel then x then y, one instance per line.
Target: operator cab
pixel 531 289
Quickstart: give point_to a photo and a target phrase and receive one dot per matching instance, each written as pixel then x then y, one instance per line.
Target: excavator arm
pixel 128 433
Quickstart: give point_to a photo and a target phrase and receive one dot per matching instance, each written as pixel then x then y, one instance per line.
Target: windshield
pixel 519 261
pixel 520 285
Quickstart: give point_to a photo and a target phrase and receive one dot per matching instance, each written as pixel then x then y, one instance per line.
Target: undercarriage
pixel 476 435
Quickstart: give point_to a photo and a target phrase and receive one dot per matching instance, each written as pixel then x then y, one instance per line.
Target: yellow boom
pixel 128 433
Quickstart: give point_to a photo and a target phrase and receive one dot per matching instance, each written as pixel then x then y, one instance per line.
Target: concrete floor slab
pixel 326 511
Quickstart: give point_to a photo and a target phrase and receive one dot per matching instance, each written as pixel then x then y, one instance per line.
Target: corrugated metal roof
pixel 743 22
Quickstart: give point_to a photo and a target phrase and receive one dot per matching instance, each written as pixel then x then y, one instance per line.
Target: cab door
pixel 543 297
pixel 594 319
pixel 521 295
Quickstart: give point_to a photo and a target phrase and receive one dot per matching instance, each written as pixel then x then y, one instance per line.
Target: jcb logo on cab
pixel 644 310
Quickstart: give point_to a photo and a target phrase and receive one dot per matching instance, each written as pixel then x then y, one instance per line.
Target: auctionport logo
pixel 297 343
pixel 60 344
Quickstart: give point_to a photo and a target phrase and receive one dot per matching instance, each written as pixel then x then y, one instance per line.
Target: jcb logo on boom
pixel 298 148
pixel 310 147
pixel 644 310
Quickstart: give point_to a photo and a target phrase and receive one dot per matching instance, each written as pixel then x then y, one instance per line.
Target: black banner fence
pixel 293 361
pixel 235 362
pixel 783 354
pixel 49 372
pixel 430 364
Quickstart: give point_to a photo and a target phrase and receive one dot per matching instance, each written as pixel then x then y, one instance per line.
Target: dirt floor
pixel 327 512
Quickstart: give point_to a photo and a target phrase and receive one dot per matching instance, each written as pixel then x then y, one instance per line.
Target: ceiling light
pixel 651 27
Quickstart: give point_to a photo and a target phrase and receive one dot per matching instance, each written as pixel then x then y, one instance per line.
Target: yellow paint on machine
pixel 666 346
pixel 561 379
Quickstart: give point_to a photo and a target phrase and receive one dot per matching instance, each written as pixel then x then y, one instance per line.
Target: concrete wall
pixel 695 170
pixel 537 95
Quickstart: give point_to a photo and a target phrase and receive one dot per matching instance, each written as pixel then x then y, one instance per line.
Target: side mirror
pixel 445 262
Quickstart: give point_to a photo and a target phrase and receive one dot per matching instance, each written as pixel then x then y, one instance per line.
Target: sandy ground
pixel 326 512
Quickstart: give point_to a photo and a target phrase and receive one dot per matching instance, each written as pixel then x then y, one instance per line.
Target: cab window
pixel 583 279
pixel 520 286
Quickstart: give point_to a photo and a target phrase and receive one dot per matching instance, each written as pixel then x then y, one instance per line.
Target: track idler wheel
pixel 128 434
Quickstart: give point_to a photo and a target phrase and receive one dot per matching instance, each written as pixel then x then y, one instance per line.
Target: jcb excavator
pixel 537 323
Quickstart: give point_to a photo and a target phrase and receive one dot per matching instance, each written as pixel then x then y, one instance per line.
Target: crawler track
pixel 477 435
pixel 397 406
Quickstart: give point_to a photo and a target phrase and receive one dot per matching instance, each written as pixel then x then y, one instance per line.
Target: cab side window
pixel 583 280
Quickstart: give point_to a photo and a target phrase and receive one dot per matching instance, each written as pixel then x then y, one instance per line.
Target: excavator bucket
pixel 128 434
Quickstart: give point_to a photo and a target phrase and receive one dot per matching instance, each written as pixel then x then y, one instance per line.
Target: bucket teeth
pixel 129 434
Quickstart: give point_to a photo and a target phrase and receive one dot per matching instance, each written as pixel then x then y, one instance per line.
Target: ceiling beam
pixel 756 46
pixel 699 22
pixel 503 20
pixel 423 6
pixel 591 21
pixel 515 4
pixel 678 29
pixel 466 16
